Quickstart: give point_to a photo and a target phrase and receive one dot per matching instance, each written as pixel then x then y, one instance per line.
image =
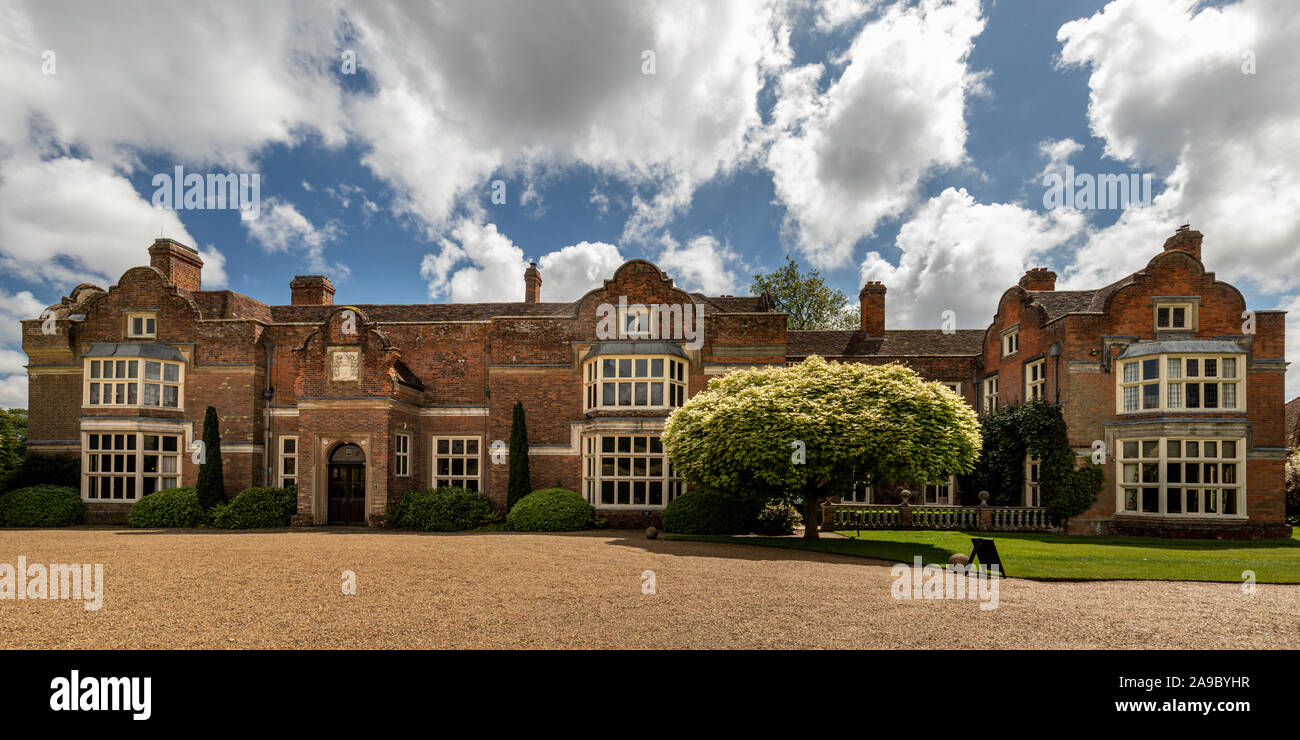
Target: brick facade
pixel 332 374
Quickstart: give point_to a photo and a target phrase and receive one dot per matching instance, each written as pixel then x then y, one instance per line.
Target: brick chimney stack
pixel 1185 239
pixel 312 290
pixel 872 300
pixel 1038 278
pixel 532 284
pixel 181 265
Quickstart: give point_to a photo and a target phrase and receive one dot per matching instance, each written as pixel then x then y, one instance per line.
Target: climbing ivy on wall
pixel 1037 429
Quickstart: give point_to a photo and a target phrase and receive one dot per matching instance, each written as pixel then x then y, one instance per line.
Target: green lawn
pixel 1050 557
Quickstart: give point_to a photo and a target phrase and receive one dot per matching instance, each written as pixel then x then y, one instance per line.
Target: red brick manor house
pixel 357 404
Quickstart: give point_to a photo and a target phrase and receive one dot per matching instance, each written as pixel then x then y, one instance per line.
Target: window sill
pixel 1200 518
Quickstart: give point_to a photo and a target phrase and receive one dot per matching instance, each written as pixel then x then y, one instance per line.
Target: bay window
pixel 628 471
pixel 133 382
pixel 1198 477
pixel 123 466
pixel 1181 383
pixel 647 382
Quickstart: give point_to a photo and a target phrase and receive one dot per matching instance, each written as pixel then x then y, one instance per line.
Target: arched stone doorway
pixel 346 481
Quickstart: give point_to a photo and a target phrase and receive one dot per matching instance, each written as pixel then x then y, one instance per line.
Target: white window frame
pixel 1036 380
pixel 1172 386
pixel 127 451
pixel 635 322
pixel 285 478
pixel 452 478
pixel 134 382
pixel 596 474
pixel 952 385
pixel 1010 341
pixel 1032 491
pixel 672 384
pixel 1204 491
pixel 935 488
pixel 145 317
pixel 990 394
pixel 402 455
pixel 1190 315
pixel 862 494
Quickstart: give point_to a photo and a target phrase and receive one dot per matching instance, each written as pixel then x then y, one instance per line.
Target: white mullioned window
pixel 402 455
pixel 990 394
pixel 1010 342
pixel 141 326
pixel 1033 494
pixel 134 382
pixel 952 385
pixel 1181 383
pixel 648 382
pixel 628 471
pixel 1036 380
pixel 860 494
pixel 1183 477
pixel 287 463
pixel 123 466
pixel 939 494
pixel 1175 315
pixel 457 461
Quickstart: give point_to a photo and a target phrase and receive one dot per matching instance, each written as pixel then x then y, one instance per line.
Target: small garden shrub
pixel 255 508
pixel 550 510
pixel 171 507
pixel 706 511
pixel 42 506
pixel 445 509
pixel 778 517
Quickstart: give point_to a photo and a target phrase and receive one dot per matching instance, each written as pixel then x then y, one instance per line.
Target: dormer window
pixel 141 326
pixel 1175 315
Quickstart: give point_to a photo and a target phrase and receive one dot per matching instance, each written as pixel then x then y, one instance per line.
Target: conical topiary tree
pixel 211 488
pixel 521 482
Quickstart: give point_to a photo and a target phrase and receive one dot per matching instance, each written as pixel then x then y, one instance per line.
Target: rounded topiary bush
pixel 41 506
pixel 550 510
pixel 445 509
pixel 706 511
pixel 778 517
pixel 170 507
pixel 257 507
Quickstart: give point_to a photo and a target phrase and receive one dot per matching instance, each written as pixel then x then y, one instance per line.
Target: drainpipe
pixel 1055 352
pixel 267 396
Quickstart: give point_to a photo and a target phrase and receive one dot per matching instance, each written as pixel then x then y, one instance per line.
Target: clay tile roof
pixel 426 311
pixel 896 343
pixel 1058 303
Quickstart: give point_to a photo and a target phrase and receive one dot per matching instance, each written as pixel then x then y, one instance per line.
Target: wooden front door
pixel 347 493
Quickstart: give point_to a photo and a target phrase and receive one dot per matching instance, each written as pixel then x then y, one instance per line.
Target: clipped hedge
pixel 446 509
pixel 550 510
pixel 778 517
pixel 37 470
pixel 170 507
pixel 257 507
pixel 706 511
pixel 42 506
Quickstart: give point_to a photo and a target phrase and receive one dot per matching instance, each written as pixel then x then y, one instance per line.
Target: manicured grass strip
pixel 1050 557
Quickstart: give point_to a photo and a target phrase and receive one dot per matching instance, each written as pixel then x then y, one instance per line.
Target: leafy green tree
pixel 19 418
pixel 806 298
pixel 211 487
pixel 814 428
pixel 1293 487
pixel 521 482
pixel 10 447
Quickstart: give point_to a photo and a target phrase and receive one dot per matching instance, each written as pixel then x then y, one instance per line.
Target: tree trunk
pixel 810 507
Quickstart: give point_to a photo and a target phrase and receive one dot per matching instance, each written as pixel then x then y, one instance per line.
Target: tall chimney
pixel 181 265
pixel 1038 278
pixel 532 284
pixel 312 290
pixel 1185 239
pixel 872 301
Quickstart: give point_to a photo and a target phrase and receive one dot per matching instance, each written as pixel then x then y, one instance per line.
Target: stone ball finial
pixel 959 559
pixel 651 533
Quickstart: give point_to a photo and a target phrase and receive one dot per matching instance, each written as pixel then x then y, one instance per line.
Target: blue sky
pixel 896 141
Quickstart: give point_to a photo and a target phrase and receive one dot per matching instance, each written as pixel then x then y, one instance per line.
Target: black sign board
pixel 986 552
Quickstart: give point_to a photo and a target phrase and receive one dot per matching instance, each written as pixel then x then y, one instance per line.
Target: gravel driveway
pixel 281 589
